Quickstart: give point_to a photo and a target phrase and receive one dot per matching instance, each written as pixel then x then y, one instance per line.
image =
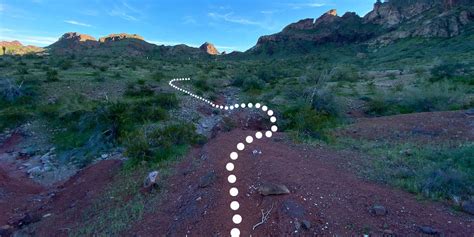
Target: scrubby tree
pixel 4 49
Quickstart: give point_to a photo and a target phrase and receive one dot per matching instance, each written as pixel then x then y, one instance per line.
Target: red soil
pixel 333 200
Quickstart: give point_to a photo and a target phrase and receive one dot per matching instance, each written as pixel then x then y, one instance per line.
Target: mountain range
pixel 388 22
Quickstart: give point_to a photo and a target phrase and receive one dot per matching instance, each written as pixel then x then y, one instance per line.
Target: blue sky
pixel 230 25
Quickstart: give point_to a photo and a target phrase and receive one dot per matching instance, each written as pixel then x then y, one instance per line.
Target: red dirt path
pixel 333 200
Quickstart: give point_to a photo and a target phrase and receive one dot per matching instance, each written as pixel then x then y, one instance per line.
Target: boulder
pixel 272 189
pixel 378 210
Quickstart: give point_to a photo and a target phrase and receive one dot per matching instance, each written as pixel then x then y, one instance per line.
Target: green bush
pixel 201 84
pixel 306 122
pixel 52 75
pixel 160 143
pixel 139 90
pixel 157 76
pixel 438 96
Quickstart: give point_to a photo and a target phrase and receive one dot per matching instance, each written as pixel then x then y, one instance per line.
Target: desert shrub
pixel 436 172
pixel 201 84
pixel 52 75
pixel 446 71
pixel 22 70
pixel 253 84
pixel 64 64
pixel 166 100
pixel 345 73
pixel 433 97
pixel 307 123
pixel 324 101
pixel 13 116
pixel 16 102
pixel 157 76
pixel 143 90
pixel 161 143
pixel 103 68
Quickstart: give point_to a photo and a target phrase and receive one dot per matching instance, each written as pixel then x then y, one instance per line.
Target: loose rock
pixel 273 189
pixel 207 179
pixel 428 230
pixel 151 179
pixel 378 210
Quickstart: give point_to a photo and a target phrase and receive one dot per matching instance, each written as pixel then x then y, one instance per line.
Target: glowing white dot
pixel 258 135
pixel 237 219
pixel 231 178
pixel 249 139
pixel 234 155
pixel 264 108
pixel 226 108
pixel 274 128
pixel 273 119
pixel 250 105
pixel 236 105
pixel 231 107
pixel 221 107
pixel 234 205
pixel 257 105
pixel 270 113
pixel 233 192
pixel 235 232
pixel 229 166
pixel 240 146
pixel 242 105
pixel 268 133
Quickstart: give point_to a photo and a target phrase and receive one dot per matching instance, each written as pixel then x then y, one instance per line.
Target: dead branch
pixel 265 216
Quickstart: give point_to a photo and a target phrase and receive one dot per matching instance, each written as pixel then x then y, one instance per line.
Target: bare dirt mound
pixel 324 199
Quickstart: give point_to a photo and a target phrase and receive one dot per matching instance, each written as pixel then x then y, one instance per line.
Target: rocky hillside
pixel 15 47
pixel 124 44
pixel 209 48
pixel 386 23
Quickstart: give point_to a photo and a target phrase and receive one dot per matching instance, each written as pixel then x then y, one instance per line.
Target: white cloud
pixel 306 4
pixel 125 11
pixel 230 17
pixel 72 22
pixel 189 20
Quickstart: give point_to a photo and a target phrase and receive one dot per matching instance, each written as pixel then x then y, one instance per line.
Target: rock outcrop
pixel 209 48
pixel 121 36
pixel 386 23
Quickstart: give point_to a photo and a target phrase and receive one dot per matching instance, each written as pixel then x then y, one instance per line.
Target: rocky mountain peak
pixel 209 48
pixel 120 36
pixel 75 36
pixel 14 43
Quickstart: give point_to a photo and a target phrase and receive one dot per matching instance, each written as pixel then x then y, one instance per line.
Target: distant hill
pixel 386 23
pixel 17 48
pixel 123 44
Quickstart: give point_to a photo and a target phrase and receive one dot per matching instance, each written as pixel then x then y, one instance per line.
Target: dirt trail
pixel 332 199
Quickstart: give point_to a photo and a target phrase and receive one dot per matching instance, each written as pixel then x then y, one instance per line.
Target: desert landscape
pixel 358 126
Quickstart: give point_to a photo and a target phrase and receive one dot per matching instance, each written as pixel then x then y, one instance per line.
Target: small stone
pixel 104 156
pixel 207 179
pixel 151 179
pixel 272 189
pixel 470 112
pixel 306 224
pixel 378 210
pixel 46 215
pixel 428 230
